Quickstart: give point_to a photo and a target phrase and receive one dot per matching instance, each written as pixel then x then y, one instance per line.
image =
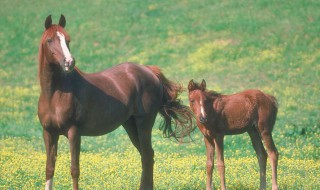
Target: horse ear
pixel 191 85
pixel 62 21
pixel 203 85
pixel 48 22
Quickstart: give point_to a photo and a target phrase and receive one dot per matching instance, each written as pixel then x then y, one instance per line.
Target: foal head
pixel 54 47
pixel 198 100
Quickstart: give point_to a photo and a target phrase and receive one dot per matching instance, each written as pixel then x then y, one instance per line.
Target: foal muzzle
pixel 203 119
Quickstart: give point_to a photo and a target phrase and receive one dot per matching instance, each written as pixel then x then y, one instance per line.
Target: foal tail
pixel 273 111
pixel 172 108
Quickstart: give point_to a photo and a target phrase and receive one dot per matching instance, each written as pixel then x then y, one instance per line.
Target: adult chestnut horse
pixel 76 104
pixel 250 111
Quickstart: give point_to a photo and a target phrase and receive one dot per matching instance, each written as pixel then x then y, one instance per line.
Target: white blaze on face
pixel 49 184
pixel 65 50
pixel 203 113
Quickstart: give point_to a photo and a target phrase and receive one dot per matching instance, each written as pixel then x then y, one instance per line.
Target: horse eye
pixel 49 40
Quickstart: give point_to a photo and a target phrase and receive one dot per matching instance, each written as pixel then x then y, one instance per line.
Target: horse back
pixel 129 83
pixel 245 109
pixel 112 96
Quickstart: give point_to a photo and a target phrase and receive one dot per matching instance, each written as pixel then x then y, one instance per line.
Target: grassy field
pixel 234 45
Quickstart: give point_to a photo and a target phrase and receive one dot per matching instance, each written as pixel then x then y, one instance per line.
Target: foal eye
pixel 49 40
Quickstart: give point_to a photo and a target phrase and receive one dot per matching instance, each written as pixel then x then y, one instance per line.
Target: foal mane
pixel 208 93
pixel 212 93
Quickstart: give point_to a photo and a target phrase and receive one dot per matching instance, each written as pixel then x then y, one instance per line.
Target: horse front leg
pixel 210 160
pixel 51 144
pixel 220 160
pixel 74 142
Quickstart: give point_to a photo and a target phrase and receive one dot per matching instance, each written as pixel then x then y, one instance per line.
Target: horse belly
pixel 236 131
pixel 98 129
pixel 103 123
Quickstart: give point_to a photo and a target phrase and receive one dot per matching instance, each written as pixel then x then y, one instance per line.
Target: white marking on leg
pixel 49 184
pixel 64 47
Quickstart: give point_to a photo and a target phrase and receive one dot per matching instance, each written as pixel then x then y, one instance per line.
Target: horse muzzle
pixel 203 119
pixel 68 65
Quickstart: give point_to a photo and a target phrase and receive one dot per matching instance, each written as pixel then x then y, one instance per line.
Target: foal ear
pixel 203 85
pixel 62 21
pixel 48 22
pixel 191 85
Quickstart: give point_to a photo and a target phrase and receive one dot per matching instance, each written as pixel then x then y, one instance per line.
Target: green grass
pixel 234 45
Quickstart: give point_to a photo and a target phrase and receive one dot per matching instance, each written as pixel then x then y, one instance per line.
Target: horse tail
pixel 274 110
pixel 172 108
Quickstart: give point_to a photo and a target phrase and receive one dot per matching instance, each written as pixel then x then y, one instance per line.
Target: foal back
pixel 239 112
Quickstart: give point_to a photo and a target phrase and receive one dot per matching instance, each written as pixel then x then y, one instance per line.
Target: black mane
pixel 212 93
pixel 209 93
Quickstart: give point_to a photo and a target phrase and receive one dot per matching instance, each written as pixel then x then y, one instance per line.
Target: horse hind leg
pixel 132 131
pixel 273 155
pixel 261 154
pixel 75 144
pixel 144 129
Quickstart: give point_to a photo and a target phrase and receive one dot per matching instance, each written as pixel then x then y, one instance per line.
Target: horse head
pixel 55 45
pixel 197 100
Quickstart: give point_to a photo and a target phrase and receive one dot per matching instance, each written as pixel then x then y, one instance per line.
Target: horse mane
pixel 40 54
pixel 40 57
pixel 208 93
pixel 212 93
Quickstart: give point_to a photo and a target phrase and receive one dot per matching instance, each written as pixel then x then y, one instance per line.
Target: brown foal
pixel 218 115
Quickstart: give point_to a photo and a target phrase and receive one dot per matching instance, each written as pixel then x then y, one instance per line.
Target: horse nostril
pixel 68 64
pixel 202 119
pixel 73 61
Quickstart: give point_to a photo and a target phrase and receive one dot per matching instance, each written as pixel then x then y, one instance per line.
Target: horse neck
pixel 48 79
pixel 44 73
pixel 212 99
pixel 52 79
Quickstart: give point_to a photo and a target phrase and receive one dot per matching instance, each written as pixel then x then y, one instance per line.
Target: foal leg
pixel 220 160
pixel 51 144
pixel 210 160
pixel 144 128
pixel 261 155
pixel 74 142
pixel 273 155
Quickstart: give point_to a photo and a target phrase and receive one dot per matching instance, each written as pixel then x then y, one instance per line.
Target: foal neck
pixel 212 95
